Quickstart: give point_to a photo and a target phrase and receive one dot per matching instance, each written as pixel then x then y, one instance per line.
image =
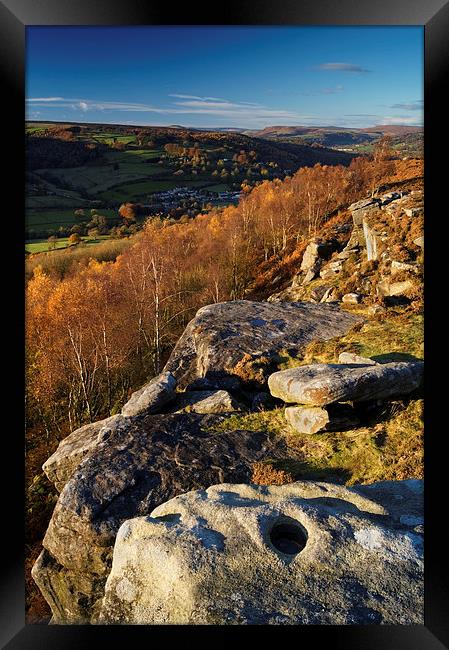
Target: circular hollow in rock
pixel 288 538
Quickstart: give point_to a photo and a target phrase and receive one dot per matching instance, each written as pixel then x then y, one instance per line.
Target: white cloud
pixel 88 104
pixel 342 67
pixel 370 119
pixel 410 106
pixel 45 99
pixel 203 99
pixel 245 112
pixel 408 120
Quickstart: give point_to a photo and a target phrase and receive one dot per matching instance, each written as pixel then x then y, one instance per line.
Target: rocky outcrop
pixel 382 250
pixel 303 553
pixel 203 401
pixel 320 384
pixel 360 211
pixel 225 339
pixel 362 208
pixel 138 463
pixel 71 451
pixel 314 252
pixel 153 396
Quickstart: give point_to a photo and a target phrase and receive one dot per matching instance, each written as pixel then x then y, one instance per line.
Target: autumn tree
pixel 52 242
pixel 74 238
pixel 382 165
pixel 128 211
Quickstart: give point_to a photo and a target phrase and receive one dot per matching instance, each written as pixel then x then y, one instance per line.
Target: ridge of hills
pixel 387 129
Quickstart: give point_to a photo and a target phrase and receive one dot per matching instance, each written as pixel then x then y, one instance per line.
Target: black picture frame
pixel 15 16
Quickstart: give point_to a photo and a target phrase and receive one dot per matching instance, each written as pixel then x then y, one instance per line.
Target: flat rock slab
pixel 135 467
pixel 202 401
pixel 303 553
pixel 151 397
pixel 220 335
pixel 320 384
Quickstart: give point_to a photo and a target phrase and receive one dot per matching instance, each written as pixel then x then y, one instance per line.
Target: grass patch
pixel 42 245
pixel 394 336
pixel 270 421
pixel 60 263
pixel 391 449
pixel 53 218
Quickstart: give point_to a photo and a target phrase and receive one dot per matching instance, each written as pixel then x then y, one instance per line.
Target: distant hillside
pixel 393 129
pixel 408 140
pixel 174 171
pixel 288 155
pixel 273 131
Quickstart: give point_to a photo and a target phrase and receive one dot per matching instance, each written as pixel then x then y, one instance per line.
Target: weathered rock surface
pixel 311 274
pixel 221 335
pixel 321 293
pixel 315 252
pixel 329 295
pixel 331 270
pixel 320 384
pixel 372 239
pixel 413 212
pixel 360 209
pixel 313 419
pixel 375 310
pixel 385 199
pixel 303 553
pixel 70 452
pixel 399 267
pixel 352 298
pixel 202 401
pixel 388 288
pixel 151 397
pixel 210 383
pixel 350 357
pixel 139 463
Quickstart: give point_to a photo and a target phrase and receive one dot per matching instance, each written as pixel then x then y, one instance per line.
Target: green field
pixel 218 187
pixel 95 178
pixel 51 218
pixel 110 138
pixel 132 174
pixel 54 202
pixel 42 245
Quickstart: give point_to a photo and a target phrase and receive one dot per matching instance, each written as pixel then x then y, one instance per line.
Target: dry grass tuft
pixel 266 474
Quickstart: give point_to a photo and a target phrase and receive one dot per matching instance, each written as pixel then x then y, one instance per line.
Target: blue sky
pixel 248 77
